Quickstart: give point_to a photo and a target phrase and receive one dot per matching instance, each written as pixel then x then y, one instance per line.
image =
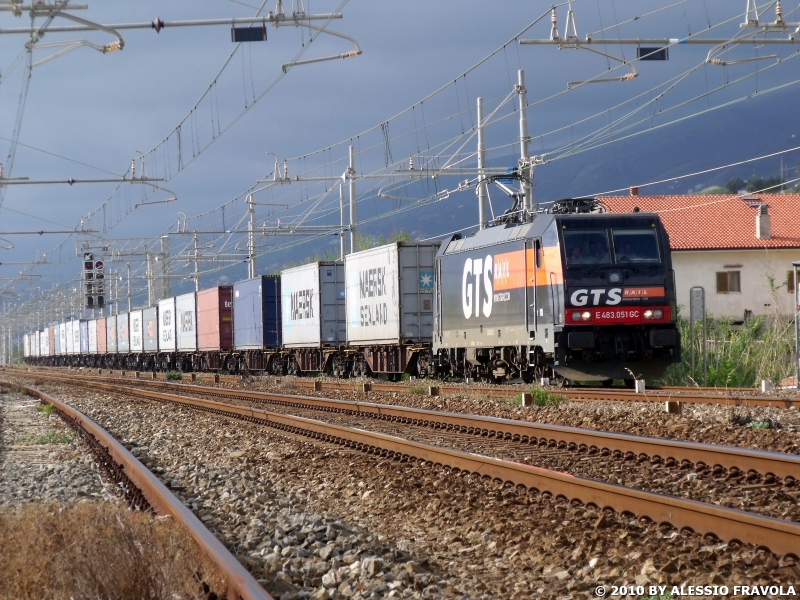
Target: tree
pixel 734 184
pixel 755 184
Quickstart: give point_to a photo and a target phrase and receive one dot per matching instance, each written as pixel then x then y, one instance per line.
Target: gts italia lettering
pixel 477 287
pixel 613 296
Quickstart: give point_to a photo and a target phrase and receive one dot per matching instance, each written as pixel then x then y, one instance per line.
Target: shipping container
pixel 66 342
pixel 215 319
pixel 84 328
pixel 75 347
pixel 123 334
pixel 166 325
pixel 102 340
pixel 45 341
pixel 186 322
pixel 390 294
pixel 313 305
pixel 26 345
pixel 111 335
pixel 57 339
pixel 92 333
pixel 136 330
pixel 150 329
pixel 257 313
pixel 53 337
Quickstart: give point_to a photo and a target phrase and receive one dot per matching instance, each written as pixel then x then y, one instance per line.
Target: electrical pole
pixel 351 172
pixel 128 269
pixel 251 238
pixel 342 241
pixel 526 170
pixel 196 266
pixel 482 191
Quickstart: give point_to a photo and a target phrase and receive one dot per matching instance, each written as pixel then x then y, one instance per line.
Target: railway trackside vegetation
pixel 174 376
pixel 99 550
pixel 743 355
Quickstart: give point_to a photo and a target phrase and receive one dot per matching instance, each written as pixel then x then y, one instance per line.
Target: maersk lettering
pixel 301 305
pixel 187 322
pixel 473 294
pixel 372 282
pixel 374 314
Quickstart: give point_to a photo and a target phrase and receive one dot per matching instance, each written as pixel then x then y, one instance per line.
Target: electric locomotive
pixel 577 294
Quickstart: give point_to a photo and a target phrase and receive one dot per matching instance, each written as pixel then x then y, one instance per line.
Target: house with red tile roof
pixel 739 248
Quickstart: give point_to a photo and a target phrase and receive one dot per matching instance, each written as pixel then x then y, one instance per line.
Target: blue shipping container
pixel 257 313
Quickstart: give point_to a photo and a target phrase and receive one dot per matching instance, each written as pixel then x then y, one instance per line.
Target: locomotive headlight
pixel 658 313
pixel 586 315
pixel 576 316
pixel 614 277
pixel 648 314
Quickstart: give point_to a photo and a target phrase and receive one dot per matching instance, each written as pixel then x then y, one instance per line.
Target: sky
pixel 101 110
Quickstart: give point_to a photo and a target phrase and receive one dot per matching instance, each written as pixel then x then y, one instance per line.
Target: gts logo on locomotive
pixel 598 297
pixel 477 271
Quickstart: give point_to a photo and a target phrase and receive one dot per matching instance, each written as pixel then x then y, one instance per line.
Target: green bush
pixel 174 376
pixel 761 348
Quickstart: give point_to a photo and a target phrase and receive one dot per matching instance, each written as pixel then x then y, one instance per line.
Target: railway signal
pixel 94 282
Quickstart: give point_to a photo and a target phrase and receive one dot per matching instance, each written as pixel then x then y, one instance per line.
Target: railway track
pixel 734 397
pixel 780 536
pixel 143 491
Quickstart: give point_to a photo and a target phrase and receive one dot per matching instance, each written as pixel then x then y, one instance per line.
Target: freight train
pixel 572 295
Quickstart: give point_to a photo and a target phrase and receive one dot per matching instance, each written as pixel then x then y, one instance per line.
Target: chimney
pixel 763 223
pixel 634 191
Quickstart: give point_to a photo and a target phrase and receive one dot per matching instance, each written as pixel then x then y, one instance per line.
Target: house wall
pixel 699 267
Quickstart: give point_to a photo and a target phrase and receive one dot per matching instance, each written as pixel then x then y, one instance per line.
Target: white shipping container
pixel 34 344
pixel 68 337
pixel 92 336
pixel 166 325
pixel 62 337
pixel 390 294
pixel 38 340
pixel 136 330
pixel 75 327
pixel 26 345
pixel 313 305
pixel 186 311
pixel 45 343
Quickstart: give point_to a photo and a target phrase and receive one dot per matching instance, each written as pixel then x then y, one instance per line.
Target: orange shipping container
pixel 101 336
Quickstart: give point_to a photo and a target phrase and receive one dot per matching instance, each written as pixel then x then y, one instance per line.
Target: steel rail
pixel 241 584
pixel 779 536
pixel 778 464
pixel 710 396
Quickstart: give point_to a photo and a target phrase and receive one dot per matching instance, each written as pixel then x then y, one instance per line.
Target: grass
pixel 541 398
pixel 45 409
pixel 98 550
pixel 744 418
pixel 50 436
pixel 174 376
pixel 761 348
pixel 417 390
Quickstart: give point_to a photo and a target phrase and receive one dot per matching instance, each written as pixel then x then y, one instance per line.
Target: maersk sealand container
pixel 257 313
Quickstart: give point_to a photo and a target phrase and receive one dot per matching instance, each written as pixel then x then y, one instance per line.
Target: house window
pixel 728 282
pixel 790 282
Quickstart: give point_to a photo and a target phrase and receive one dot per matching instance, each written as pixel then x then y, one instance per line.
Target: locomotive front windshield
pixel 587 247
pixel 591 247
pixel 635 246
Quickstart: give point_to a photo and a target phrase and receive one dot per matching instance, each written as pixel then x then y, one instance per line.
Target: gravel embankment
pixel 314 520
pixel 41 459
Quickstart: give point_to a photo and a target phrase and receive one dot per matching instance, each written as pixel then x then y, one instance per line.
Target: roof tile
pixel 714 222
